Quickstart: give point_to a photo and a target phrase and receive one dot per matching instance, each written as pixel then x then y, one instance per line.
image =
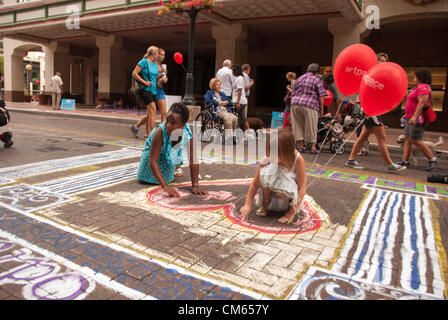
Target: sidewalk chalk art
pixel 51 166
pixel 372 181
pixel 392 244
pixel 223 199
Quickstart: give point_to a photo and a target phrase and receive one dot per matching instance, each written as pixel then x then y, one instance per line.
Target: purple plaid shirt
pixel 307 90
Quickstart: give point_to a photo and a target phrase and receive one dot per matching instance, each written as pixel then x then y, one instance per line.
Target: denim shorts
pixel 161 94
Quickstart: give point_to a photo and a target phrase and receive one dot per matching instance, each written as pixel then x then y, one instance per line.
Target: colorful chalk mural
pixel 395 222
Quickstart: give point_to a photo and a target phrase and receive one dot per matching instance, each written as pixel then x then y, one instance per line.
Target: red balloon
pixel 351 65
pixel 328 99
pixel 37 82
pixel 383 88
pixel 178 58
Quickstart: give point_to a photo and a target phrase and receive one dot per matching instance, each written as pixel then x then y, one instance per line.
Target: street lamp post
pixel 189 99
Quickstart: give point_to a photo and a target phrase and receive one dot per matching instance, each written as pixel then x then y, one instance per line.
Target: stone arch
pixel 14 52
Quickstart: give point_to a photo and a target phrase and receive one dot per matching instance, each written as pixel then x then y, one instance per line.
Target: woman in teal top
pixel 160 158
pixel 146 72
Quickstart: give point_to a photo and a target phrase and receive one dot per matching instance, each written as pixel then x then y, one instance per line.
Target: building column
pixel 14 83
pixel 56 54
pixel 230 43
pixel 346 33
pixel 89 99
pixel 111 69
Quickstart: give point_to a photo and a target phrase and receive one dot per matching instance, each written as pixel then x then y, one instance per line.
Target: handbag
pixel 429 114
pixel 137 88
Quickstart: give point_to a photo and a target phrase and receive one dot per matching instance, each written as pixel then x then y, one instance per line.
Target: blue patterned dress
pixel 169 157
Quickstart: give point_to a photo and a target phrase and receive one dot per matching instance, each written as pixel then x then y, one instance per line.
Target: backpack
pixel 137 87
pixel 4 115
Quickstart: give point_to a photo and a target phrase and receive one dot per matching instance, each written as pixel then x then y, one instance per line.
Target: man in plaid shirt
pixel 307 104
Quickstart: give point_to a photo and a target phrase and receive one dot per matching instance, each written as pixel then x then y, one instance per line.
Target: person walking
pixel 162 79
pixel 56 90
pixel 239 96
pixel 146 72
pixel 373 125
pixel 307 104
pixel 328 81
pixel 418 99
pixel 225 75
pixel 247 80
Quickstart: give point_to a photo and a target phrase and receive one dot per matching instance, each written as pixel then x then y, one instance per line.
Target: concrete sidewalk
pixel 130 116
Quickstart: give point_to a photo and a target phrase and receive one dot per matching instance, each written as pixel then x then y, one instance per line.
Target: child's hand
pixel 171 191
pixel 244 211
pixel 199 192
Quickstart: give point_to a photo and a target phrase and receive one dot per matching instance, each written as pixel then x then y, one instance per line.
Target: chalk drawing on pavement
pixel 51 166
pixel 321 284
pixel 111 265
pixel 29 198
pixel 4 181
pixel 392 242
pixel 223 199
pixel 91 181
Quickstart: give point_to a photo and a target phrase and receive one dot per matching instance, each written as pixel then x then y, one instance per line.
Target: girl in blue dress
pixel 163 152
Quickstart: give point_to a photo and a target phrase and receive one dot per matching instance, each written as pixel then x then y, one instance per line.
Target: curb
pixel 73 115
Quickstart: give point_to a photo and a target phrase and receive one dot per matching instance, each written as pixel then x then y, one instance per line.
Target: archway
pixel 14 53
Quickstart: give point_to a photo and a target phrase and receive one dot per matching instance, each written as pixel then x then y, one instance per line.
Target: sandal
pixel 260 212
pixel 179 172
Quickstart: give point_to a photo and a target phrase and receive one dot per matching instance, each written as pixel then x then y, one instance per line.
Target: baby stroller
pixel 5 137
pixel 352 115
pixel 330 131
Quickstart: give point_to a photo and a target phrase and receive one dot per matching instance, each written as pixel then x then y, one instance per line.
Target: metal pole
pixel 189 90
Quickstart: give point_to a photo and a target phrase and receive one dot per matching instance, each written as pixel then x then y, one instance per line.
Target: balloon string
pixel 337 151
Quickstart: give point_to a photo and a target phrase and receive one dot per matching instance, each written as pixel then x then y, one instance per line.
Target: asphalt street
pixel 76 224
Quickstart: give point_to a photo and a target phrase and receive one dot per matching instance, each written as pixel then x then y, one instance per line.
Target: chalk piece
pixel 199 177
pixel 224 242
pixel 208 177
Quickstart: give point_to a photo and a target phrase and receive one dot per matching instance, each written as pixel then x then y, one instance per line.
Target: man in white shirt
pixel 56 89
pixel 225 75
pixel 248 81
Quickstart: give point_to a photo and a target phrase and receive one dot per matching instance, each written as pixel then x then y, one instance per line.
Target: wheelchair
pixel 210 125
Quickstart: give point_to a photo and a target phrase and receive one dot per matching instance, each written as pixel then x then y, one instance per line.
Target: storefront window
pixel 439 75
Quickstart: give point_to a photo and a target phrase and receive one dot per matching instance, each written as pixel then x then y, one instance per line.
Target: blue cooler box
pixel 68 104
pixel 277 120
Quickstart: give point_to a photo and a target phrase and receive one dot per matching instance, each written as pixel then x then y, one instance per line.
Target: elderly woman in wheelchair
pixel 221 107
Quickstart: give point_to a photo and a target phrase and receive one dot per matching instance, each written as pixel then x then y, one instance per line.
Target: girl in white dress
pixel 281 184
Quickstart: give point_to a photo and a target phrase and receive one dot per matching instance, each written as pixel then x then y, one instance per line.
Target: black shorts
pixel 148 97
pixel 371 122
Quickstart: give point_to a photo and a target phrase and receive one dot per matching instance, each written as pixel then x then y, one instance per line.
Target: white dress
pixel 279 179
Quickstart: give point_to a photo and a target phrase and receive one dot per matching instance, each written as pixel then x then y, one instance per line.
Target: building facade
pixel 95 44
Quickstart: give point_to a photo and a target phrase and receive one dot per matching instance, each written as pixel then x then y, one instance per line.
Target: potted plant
pixel 42 98
pixel 182 5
